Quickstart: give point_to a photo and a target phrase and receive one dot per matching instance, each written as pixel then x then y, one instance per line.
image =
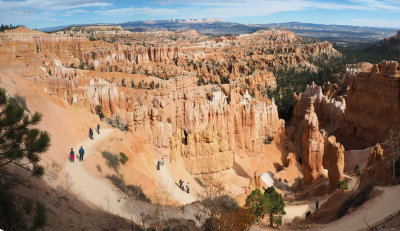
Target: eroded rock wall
pixel 373 104
pixel 205 153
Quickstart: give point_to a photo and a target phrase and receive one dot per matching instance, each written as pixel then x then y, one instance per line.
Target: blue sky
pixel 48 13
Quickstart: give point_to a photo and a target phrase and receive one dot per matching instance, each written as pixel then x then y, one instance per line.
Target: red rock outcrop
pixel 291 172
pixel 378 168
pixel 205 153
pixel 333 161
pixel 373 104
pixel 313 147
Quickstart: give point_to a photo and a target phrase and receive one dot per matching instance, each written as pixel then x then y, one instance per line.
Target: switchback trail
pixel 172 187
pixel 95 190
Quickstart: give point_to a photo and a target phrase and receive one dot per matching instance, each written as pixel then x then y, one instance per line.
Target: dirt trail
pixel 172 188
pixel 300 210
pixel 97 191
pixel 370 212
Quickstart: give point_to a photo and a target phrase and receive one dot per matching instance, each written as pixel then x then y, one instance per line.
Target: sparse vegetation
pixel 342 185
pixel 40 218
pixel 357 170
pixel 112 160
pixel 8 27
pixel 99 112
pixel 355 199
pixel 123 158
pixel 131 190
pixel 116 123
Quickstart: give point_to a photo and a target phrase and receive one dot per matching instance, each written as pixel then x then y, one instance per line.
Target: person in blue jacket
pixel 81 153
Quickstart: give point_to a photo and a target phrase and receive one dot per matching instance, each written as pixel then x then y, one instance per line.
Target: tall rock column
pixel 313 147
pixel 333 160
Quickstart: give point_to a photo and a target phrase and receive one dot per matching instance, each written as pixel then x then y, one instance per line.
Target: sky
pixel 49 13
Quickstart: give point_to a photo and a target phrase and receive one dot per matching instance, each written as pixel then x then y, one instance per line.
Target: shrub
pixel 99 112
pixel 123 158
pixel 112 160
pixel 355 199
pixel 133 191
pixel 357 170
pixel 342 185
pixel 40 219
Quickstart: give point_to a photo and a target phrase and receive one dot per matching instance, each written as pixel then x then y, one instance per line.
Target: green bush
pixel 342 185
pixel 123 158
pixel 99 112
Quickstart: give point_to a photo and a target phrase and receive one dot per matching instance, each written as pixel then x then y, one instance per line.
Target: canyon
pixel 200 103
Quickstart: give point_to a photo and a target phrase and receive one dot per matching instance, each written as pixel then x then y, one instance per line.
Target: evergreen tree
pixel 270 203
pixel 20 143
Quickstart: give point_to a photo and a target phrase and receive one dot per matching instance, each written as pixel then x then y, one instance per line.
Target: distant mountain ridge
pixel 334 33
pixel 389 45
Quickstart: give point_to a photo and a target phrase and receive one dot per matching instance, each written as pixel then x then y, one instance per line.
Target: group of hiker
pixel 81 150
pixel 182 185
pixel 91 131
pixel 72 154
pixel 160 163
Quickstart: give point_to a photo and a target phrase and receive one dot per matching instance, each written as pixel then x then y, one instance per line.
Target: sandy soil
pixel 96 190
pixel 172 188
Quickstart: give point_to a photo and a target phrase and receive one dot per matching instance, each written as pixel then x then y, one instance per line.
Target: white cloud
pixel 50 4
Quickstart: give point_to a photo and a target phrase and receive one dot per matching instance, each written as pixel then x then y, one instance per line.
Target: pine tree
pixel 20 143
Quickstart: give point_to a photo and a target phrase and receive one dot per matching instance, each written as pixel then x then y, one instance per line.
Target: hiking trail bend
pixel 93 189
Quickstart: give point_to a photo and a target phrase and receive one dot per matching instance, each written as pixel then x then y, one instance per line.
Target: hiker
pixel 187 187
pixel 316 205
pixel 180 183
pixel 81 152
pixel 158 165
pixel 98 128
pixel 91 133
pixel 183 186
pixel 72 155
pixel 162 161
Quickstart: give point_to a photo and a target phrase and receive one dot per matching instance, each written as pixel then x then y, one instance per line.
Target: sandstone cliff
pixel 205 153
pixel 373 104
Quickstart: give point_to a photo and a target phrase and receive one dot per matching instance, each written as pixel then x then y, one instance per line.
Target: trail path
pixel 300 210
pixel 371 212
pixel 96 190
pixel 172 188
